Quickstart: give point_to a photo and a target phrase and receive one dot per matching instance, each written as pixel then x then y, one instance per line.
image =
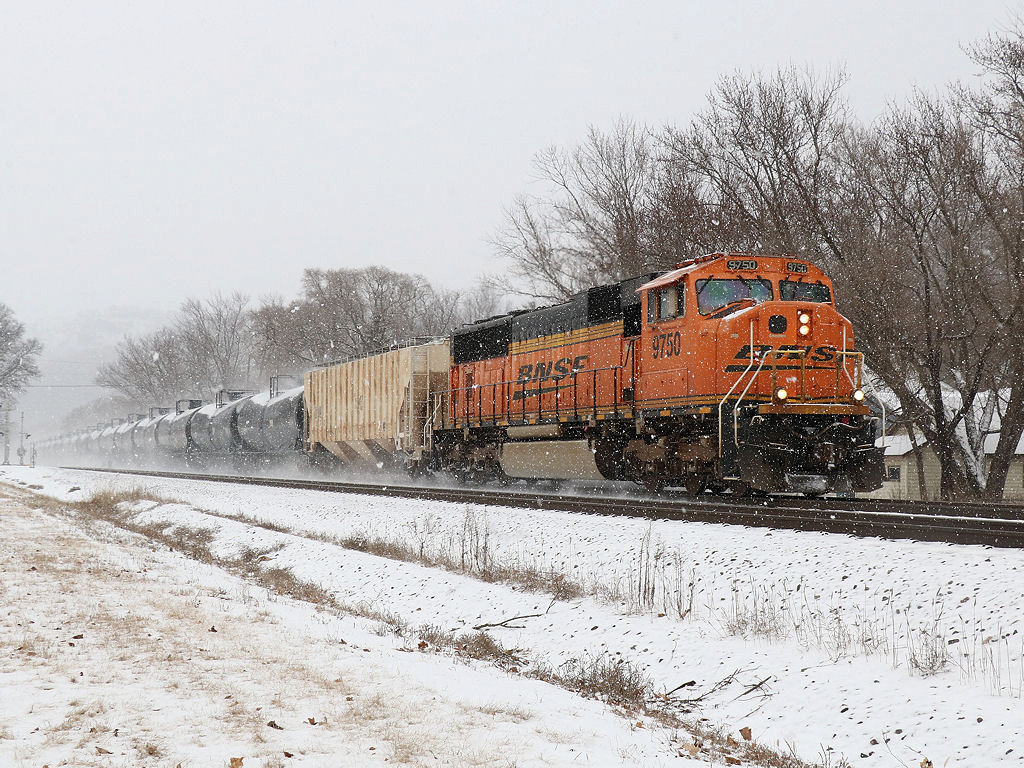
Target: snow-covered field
pixel 885 653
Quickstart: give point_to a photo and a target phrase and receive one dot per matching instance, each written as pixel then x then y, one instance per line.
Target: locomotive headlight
pixel 805 318
pixel 781 394
pixel 804 330
pixel 858 395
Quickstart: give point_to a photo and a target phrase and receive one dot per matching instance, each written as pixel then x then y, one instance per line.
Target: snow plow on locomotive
pixel 733 371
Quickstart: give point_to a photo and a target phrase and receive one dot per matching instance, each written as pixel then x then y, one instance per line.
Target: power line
pixel 51 386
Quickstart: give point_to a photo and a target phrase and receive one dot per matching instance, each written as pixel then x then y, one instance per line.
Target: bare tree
pixel 485 299
pixel 762 159
pixel 18 355
pixel 208 347
pixel 926 334
pixel 216 337
pixel 591 223
pixel 149 370
pixel 997 112
pixel 345 312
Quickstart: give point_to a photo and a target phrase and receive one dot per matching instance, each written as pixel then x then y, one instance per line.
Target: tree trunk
pixel 1010 429
pixel 918 451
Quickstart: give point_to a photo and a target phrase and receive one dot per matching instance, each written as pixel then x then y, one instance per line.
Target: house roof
pixel 900 444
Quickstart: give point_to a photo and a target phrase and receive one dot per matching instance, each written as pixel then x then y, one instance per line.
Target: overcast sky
pixel 150 152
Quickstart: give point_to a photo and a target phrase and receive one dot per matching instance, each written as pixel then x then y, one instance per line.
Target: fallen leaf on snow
pixel 745 733
pixel 236 762
pixel 288 754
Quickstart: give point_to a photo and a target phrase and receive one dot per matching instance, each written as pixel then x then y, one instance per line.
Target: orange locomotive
pixel 734 371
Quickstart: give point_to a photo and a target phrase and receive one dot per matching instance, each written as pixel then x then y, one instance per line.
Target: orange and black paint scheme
pixel 732 371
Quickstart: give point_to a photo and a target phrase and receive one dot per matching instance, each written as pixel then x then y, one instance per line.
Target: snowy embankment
pixel 886 653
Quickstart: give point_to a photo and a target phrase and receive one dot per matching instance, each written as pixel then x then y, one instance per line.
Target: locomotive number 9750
pixel 666 345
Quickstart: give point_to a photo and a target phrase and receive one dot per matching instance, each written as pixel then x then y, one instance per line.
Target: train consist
pixel 733 371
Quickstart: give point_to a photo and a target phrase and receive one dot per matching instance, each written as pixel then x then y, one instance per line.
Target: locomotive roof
pixel 686 267
pixel 601 304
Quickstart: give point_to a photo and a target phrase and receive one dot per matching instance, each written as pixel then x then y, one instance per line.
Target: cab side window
pixel 666 303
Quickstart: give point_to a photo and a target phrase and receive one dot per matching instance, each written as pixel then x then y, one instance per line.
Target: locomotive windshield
pixel 715 293
pixel 792 290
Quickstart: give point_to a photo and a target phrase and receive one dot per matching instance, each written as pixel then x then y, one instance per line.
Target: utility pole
pixel 21 442
pixel 7 435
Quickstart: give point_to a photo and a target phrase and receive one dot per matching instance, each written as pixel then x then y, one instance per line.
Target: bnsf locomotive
pixel 733 371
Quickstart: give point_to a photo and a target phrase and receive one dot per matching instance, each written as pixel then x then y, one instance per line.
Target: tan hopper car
pixel 377 409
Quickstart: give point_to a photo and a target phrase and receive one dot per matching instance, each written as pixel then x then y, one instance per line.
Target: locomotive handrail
pixel 861 382
pixel 777 353
pixel 736 406
pixel 463 409
pixel 721 403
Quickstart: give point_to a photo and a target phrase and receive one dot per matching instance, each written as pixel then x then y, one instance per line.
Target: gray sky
pixel 150 152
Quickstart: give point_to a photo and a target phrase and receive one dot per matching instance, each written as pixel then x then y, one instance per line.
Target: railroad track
pixel 995 525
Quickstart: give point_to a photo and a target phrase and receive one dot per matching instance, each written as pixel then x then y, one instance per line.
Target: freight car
pixel 734 371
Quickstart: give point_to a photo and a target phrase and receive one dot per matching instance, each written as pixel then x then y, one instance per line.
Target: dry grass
pixel 476 559
pixel 617 682
pixel 106 503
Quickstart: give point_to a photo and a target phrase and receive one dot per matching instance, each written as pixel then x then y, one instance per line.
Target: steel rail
pixel 992 525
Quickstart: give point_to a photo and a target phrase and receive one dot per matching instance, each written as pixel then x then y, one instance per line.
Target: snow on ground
pixel 116 653
pixel 883 652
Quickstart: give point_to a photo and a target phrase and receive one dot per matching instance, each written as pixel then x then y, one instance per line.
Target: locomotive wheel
pixel 654 483
pixel 740 489
pixel 695 484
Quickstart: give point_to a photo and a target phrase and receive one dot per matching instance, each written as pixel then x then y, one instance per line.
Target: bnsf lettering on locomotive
pixel 559 369
pixel 741 264
pixel 818 354
pixel 795 266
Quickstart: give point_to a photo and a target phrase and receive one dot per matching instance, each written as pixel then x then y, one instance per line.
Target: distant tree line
pixel 919 218
pixel 233 342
